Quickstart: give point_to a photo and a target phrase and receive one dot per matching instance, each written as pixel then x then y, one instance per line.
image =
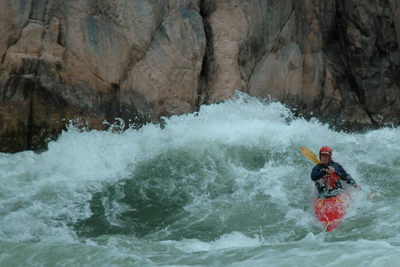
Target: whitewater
pixel 226 186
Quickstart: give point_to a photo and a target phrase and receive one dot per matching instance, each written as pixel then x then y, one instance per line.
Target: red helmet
pixel 326 150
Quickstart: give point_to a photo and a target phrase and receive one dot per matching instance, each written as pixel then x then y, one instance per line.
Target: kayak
pixel 330 211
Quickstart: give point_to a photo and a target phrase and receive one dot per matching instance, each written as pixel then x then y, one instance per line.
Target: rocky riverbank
pixel 95 61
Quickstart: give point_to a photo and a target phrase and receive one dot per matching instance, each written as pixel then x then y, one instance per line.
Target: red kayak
pixel 330 211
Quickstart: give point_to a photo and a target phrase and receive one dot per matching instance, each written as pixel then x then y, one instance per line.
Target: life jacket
pixel 331 181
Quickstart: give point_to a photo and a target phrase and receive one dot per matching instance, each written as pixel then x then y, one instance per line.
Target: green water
pixel 228 187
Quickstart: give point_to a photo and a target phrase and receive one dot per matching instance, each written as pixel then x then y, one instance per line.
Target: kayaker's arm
pixel 317 172
pixel 344 175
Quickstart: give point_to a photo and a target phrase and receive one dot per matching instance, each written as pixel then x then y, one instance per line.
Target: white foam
pixel 227 241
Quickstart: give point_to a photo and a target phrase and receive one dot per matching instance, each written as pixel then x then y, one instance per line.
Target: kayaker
pixel 329 175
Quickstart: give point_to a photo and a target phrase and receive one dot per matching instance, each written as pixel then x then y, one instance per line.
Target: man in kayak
pixel 329 175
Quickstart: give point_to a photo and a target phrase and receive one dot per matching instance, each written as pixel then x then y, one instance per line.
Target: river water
pixel 227 186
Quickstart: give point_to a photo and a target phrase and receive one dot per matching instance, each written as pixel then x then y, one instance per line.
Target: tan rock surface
pixel 167 80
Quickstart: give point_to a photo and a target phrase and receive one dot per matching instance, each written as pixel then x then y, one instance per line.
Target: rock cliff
pixel 93 61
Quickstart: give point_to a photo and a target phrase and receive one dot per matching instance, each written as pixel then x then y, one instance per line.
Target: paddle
pixel 311 156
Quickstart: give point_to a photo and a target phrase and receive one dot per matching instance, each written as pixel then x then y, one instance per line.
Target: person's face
pixel 325 158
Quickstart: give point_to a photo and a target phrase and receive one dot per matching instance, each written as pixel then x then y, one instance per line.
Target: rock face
pixel 93 61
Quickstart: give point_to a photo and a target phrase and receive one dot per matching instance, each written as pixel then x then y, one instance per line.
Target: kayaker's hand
pixel 330 170
pixel 357 186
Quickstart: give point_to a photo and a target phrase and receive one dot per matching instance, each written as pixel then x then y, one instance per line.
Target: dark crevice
pixel 38 10
pixel 30 86
pixel 338 49
pixel 206 9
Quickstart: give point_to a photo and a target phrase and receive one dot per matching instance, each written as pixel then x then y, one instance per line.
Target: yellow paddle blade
pixel 310 155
